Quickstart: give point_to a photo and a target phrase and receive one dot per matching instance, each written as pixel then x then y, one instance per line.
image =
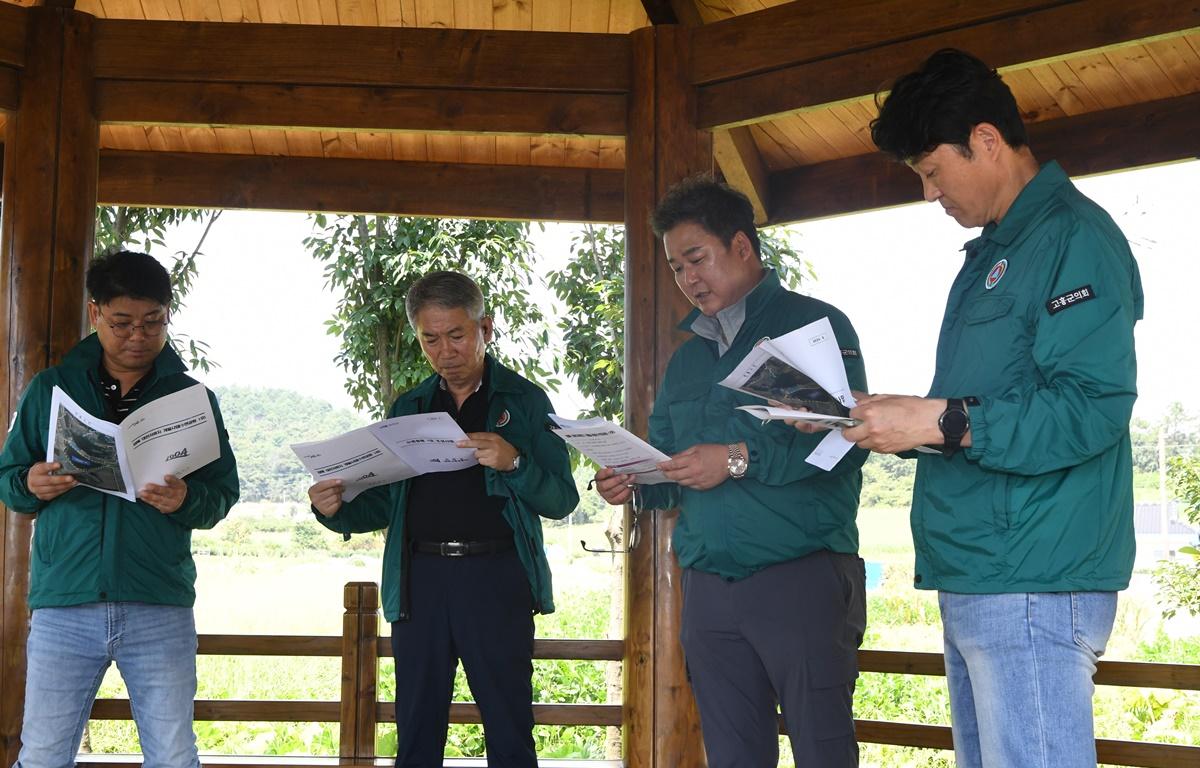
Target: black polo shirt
pixel 455 506
pixel 117 405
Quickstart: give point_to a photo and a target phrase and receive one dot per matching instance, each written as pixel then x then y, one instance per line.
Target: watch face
pixel 954 423
pixel 737 466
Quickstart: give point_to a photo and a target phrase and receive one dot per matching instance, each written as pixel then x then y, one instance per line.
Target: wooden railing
pixel 359 711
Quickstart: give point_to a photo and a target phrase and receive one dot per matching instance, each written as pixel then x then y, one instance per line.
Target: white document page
pixel 612 446
pixel 89 449
pixel 427 442
pixel 357 458
pixel 772 413
pixel 173 435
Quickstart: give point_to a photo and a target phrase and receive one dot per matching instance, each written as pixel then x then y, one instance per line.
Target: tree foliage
pixel 262 424
pixel 1179 581
pixel 592 286
pixel 121 228
pixel 374 259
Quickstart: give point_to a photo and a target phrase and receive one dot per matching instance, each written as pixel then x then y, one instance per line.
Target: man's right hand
pixel 615 488
pixel 45 485
pixel 326 496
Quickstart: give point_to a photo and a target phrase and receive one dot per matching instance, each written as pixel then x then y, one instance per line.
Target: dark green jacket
pixel 1042 501
pixel 541 487
pixel 784 508
pixel 90 546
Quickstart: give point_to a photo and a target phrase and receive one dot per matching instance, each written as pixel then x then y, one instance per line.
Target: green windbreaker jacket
pixel 90 546
pixel 784 508
pixel 1038 326
pixel 541 487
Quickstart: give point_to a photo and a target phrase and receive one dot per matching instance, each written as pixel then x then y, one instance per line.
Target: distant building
pixel 1152 545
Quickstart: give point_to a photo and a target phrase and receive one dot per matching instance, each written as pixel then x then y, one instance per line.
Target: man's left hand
pixel 700 467
pixel 491 450
pixel 895 423
pixel 165 498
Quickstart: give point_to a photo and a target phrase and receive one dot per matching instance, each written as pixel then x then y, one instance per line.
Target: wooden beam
pixel 10 87
pixel 13 29
pixel 164 179
pixel 349 55
pixel 673 12
pixel 795 84
pixel 1097 142
pixel 743 167
pixel 360 108
pixel 796 33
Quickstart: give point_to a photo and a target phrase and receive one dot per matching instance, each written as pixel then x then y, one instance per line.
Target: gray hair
pixel 449 290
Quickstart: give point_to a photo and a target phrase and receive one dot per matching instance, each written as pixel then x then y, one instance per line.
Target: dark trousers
pixel 478 609
pixel 788 636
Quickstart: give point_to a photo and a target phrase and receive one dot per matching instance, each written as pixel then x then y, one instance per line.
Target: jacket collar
pixel 499 377
pixel 1026 208
pixel 759 298
pixel 88 353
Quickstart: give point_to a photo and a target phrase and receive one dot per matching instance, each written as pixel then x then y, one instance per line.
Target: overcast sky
pixel 260 300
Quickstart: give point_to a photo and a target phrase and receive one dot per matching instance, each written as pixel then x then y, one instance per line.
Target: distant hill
pixel 262 423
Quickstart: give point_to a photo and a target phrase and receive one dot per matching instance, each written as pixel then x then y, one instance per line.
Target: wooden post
pixel 360 673
pixel 50 169
pixel 662 727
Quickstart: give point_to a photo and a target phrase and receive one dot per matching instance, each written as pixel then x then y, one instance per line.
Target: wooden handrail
pixel 358 712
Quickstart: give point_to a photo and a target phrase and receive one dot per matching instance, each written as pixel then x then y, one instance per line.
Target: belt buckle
pixel 454 548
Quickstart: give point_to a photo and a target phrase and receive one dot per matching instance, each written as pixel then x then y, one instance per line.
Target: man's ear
pixel 93 313
pixel 485 325
pixel 987 139
pixel 742 246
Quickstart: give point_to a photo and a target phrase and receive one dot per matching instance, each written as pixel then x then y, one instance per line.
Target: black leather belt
pixel 462 548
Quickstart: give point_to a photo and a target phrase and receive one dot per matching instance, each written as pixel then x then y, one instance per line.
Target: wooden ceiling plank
pixel 1126 137
pixel 773 155
pixel 1066 96
pixel 833 131
pixel 855 124
pixel 551 15
pixel 269 142
pixel 743 167
pixel 1180 63
pixel 92 7
pixel 264 53
pixel 409 146
pixel 796 154
pixel 582 153
pixel 429 109
pixel 1097 72
pixel 814 146
pixel 200 10
pixel 1141 72
pixel 156 140
pixel 512 150
pixel 511 14
pixel 626 16
pixel 474 14
pixel 544 150
pixel 163 179
pixel 1034 101
pixel 234 141
pixel 435 14
pixel 1079 89
pixel 311 12
pixel 304 143
pixel 1050 33
pixel 357 13
pixel 479 149
pixel 444 149
pixel 200 139
pixel 238 11
pixel 124 9
pixel 589 15
pixel 612 154
pixel 375 146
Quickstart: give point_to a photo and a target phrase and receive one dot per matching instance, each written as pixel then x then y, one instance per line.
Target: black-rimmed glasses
pixel 151 328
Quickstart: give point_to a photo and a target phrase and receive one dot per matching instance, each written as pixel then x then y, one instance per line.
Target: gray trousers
pixel 786 636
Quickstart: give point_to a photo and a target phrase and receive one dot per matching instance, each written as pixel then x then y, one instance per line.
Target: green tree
pixel 374 259
pixel 1179 581
pixel 120 227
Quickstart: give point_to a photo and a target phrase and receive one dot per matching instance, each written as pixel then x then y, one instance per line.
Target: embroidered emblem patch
pixel 1070 299
pixel 850 353
pixel 504 417
pixel 997 272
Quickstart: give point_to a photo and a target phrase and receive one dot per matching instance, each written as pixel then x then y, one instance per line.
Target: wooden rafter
pixel 287 54
pixel 595 115
pixel 1127 137
pixel 183 180
pixel 795 82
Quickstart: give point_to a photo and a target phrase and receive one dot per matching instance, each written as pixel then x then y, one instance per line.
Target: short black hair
pixel 941 103
pixel 128 274
pixel 718 207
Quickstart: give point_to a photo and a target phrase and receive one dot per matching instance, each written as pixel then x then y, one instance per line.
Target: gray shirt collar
pixel 724 326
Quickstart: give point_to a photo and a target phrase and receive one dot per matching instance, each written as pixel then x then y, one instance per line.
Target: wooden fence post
pixel 360 673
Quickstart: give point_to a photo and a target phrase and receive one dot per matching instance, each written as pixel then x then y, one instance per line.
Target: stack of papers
pixel 613 446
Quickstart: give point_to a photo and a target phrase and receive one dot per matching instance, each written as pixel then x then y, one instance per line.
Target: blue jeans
pixel 1020 669
pixel 69 650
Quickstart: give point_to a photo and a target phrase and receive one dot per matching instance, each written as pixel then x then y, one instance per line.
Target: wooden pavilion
pixel 577 110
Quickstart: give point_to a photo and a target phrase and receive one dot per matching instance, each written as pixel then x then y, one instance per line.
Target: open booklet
pixel 801 369
pixel 173 435
pixel 612 446
pixel 388 451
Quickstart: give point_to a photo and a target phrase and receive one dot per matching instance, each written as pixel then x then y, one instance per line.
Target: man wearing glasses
pixel 773 589
pixel 112 580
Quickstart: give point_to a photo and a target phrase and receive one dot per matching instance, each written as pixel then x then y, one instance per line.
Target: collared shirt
pixel 117 405
pixel 455 506
pixel 724 327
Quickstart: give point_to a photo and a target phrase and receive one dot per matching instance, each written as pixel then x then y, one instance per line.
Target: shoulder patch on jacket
pixel 850 353
pixel 1070 299
pixel 504 418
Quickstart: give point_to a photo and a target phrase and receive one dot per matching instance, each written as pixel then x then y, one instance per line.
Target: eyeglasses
pixel 152 328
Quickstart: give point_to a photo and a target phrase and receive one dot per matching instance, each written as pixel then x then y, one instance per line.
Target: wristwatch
pixel 516 463
pixel 738 463
pixel 954 423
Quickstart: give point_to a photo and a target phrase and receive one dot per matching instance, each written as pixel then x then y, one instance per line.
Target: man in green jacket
pixel 112 580
pixel 464 567
pixel 774 604
pixel 1024 523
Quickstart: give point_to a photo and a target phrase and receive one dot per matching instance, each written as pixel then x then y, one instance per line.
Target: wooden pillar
pixel 360 673
pixel 662 727
pixel 50 169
